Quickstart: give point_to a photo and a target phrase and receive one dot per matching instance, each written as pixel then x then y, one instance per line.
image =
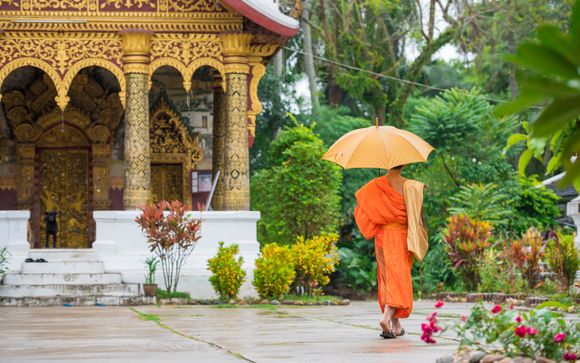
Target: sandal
pixel 40 260
pixel 387 335
pixel 401 333
pixel 29 260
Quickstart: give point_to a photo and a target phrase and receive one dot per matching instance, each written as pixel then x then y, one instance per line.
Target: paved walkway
pixel 212 334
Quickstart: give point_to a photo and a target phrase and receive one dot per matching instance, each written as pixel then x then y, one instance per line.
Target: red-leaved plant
pixel 533 334
pixel 171 235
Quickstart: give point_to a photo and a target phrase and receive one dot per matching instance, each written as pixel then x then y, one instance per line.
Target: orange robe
pixel 381 214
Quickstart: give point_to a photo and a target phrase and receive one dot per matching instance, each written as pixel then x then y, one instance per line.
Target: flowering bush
pixel 562 257
pixel 314 260
pixel 227 273
pixel 171 236
pixel 466 239
pixel 537 333
pixel 274 271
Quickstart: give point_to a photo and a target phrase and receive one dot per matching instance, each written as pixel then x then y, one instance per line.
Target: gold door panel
pixel 166 182
pixel 64 181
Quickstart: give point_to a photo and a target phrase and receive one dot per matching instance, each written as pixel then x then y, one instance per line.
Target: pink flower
pixel 511 306
pixel 439 304
pixel 521 331
pixel 496 309
pixel 558 338
pixel 532 331
pixel 569 356
pixel 518 319
pixel 432 316
pixel 463 318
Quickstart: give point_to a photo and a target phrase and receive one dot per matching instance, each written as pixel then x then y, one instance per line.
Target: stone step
pixel 52 255
pixel 64 267
pixel 69 290
pixel 77 301
pixel 62 279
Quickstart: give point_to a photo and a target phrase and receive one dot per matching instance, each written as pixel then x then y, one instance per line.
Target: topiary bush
pixel 227 273
pixel 274 271
pixel 314 260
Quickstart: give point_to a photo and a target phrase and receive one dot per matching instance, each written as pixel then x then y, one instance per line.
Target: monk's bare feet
pixel 397 328
pixel 386 320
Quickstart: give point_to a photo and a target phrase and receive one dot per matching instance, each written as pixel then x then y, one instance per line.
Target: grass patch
pixel 312 299
pixel 162 294
pixel 255 306
pixel 147 317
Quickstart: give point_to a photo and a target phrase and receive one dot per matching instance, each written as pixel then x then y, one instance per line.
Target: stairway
pixel 69 277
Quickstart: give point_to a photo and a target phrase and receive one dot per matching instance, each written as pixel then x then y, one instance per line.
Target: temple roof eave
pixel 266 14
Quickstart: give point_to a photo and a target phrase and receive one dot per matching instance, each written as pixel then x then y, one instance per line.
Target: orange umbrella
pixel 380 147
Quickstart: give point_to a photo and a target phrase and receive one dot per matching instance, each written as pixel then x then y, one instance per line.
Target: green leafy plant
pixel 526 253
pixel 550 77
pixel 483 202
pixel 274 271
pixel 162 294
pixel 4 260
pixel 466 239
pixel 498 274
pixel 227 273
pixel 151 264
pixel 314 260
pixel 562 257
pixel 171 235
pixel 533 334
pixel 298 194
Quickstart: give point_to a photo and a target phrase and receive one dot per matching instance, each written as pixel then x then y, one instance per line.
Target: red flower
pixel 518 319
pixel 532 331
pixel 511 306
pixel 432 316
pixel 558 338
pixel 521 331
pixel 439 304
pixel 463 318
pixel 569 356
pixel 496 309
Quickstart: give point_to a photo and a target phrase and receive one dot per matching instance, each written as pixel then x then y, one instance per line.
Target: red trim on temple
pixel 261 19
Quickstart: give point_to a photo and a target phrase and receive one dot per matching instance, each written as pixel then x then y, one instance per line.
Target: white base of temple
pixel 121 248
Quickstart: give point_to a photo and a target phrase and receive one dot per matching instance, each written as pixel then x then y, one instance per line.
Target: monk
pixel 389 208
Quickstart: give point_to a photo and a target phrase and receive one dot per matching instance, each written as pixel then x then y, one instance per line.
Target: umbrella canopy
pixel 382 147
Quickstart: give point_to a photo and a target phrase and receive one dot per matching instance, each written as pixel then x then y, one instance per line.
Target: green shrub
pixel 298 194
pixel 274 271
pixel 314 260
pixel 526 254
pixel 227 273
pixel 163 294
pixel 483 202
pixel 498 274
pixel 466 239
pixel 563 260
pixel 4 260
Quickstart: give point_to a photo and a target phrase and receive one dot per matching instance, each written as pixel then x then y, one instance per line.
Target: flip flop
pixel 40 260
pixel 29 260
pixel 401 333
pixel 387 335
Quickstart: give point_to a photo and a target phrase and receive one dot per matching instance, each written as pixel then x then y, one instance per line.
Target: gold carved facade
pixel 175 152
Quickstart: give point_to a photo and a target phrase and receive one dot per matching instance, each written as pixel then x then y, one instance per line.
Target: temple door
pixel 166 182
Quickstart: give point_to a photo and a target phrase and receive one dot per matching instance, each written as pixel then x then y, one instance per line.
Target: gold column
pixel 219 134
pixel 25 185
pixel 136 58
pixel 101 176
pixel 236 194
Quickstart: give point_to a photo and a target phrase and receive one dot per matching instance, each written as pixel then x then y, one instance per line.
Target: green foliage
pixel 357 269
pixel 526 254
pixel 314 260
pixel 562 257
pixel 436 271
pixel 466 240
pixel 163 294
pixel 483 202
pixel 274 271
pixel 550 72
pixel 298 194
pixel 4 260
pixel 151 264
pixel 227 273
pixel 498 274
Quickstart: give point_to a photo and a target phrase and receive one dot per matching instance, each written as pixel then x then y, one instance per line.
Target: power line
pixel 380 75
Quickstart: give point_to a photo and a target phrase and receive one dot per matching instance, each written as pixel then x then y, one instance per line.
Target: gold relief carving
pixel 264 50
pixel 199 24
pixel 101 174
pixel 137 147
pixel 171 144
pixel 25 186
pixel 236 174
pixel 195 6
pixel 61 56
pixel 8 182
pixel 117 183
pixel 64 136
pixel 237 68
pixel 219 134
pixel 127 4
pixel 99 134
pixel 26 133
pixel 236 44
pixel 136 50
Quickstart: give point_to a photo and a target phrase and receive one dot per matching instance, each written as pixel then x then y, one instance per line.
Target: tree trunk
pixel 309 59
pixel 279 63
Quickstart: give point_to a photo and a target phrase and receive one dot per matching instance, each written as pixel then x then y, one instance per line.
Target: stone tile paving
pixel 212 334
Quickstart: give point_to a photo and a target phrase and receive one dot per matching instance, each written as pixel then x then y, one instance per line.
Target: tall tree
pixel 309 58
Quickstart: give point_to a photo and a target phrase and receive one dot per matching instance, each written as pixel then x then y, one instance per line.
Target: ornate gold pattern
pixel 219 138
pixel 8 182
pixel 166 182
pixel 61 56
pixel 25 187
pixel 236 174
pixel 171 143
pixel 136 51
pixel 101 174
pixel 137 150
pixel 258 71
pixel 200 25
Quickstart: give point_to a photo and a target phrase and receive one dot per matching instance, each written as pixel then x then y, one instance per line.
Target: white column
pixel 13 236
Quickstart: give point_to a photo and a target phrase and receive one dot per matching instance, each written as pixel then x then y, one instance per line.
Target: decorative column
pixel 136 58
pixel 236 194
pixel 219 137
pixel 25 184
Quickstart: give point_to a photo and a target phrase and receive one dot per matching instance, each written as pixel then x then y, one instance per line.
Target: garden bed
pixel 180 299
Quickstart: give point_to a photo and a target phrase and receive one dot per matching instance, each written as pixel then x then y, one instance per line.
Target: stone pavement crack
pixel 155 318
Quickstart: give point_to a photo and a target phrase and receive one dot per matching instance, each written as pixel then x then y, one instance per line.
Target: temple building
pixel 109 105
